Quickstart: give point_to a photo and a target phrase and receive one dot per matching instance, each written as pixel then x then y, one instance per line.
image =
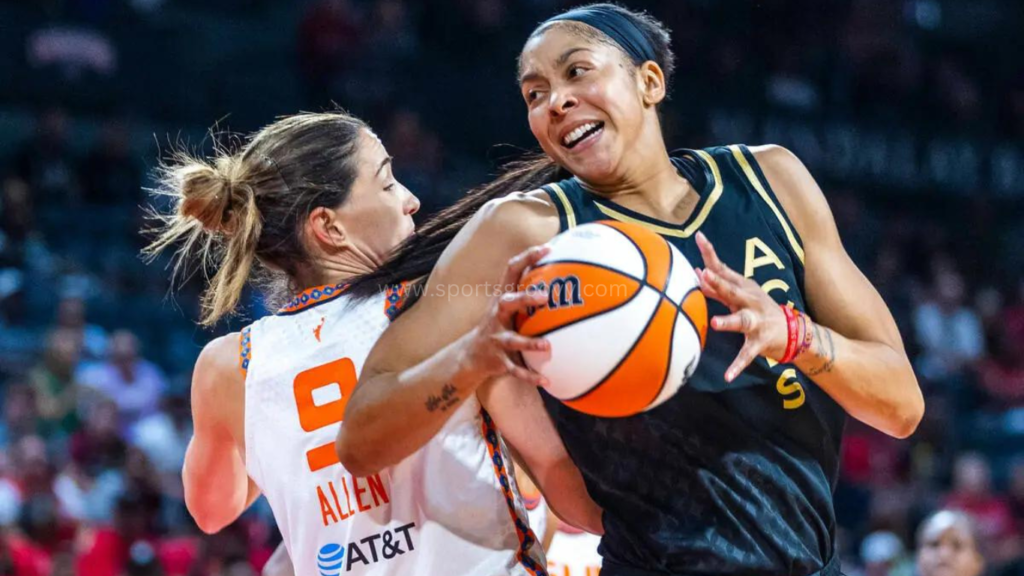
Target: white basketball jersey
pixel 574 554
pixel 450 508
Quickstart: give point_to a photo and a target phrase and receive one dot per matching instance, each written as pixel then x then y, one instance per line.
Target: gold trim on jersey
pixel 716 192
pixel 749 171
pixel 570 215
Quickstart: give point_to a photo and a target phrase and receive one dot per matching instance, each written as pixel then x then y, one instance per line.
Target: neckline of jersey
pixel 708 193
pixel 312 297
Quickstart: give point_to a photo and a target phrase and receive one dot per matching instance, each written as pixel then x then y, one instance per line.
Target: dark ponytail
pixel 415 258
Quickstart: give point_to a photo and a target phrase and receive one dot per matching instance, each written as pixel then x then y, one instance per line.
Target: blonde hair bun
pixel 212 194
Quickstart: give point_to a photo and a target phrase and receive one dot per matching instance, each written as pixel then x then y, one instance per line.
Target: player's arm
pixel 519 415
pixel 217 487
pixel 856 354
pixel 452 340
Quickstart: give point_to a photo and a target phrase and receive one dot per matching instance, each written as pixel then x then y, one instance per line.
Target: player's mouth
pixel 582 135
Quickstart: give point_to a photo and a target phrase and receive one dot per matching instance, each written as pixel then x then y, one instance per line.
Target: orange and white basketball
pixel 625 317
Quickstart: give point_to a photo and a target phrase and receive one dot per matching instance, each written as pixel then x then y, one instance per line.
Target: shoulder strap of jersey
pixel 566 200
pixel 245 349
pixel 750 171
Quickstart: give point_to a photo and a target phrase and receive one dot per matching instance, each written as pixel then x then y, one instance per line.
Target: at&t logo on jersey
pixel 333 559
pixel 329 559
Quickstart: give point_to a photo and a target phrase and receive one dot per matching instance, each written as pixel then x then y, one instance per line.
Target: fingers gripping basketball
pixel 624 316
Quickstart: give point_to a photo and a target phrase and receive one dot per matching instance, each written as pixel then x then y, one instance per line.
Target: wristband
pixel 792 336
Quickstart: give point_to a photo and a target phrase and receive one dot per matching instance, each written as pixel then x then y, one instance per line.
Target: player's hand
pixel 753 312
pixel 493 347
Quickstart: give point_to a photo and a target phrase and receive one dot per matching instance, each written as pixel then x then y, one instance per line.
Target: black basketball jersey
pixel 723 478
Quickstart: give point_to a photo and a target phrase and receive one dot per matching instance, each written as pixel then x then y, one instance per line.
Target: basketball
pixel 625 317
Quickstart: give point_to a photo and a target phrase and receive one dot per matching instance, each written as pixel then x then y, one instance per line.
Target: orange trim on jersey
pixel 312 297
pixel 395 299
pixel 244 349
pixel 527 538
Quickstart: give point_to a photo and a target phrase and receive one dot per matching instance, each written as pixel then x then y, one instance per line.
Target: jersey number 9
pixel 313 416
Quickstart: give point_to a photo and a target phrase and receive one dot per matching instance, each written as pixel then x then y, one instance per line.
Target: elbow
pixel 910 421
pixel 908 416
pixel 208 511
pixel 207 527
pixel 208 523
pixel 353 455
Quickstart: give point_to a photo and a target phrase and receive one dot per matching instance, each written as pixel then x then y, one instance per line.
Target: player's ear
pixel 326 229
pixel 652 83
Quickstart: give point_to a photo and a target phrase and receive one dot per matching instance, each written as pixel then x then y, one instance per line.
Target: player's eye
pixel 576 71
pixel 390 187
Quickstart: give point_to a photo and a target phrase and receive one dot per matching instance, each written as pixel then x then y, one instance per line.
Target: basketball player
pixel 311 199
pixel 733 475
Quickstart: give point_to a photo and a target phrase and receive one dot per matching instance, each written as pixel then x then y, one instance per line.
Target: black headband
pixel 616 26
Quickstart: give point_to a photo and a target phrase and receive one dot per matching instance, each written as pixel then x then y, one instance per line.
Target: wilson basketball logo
pixel 563 292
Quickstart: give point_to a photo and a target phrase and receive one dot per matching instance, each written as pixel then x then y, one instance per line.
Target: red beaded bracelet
pixel 792 338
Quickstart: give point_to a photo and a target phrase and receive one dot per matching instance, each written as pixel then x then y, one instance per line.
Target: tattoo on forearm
pixel 443 401
pixel 826 351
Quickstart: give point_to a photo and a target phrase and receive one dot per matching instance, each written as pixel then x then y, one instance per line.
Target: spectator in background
pixel 47 164
pixel 948 544
pixel 38 520
pixel 71 316
pixel 858 225
pixel 20 416
pixel 30 464
pixel 163 437
pixel 134 383
pixel 17 227
pixel 55 385
pixel 948 332
pixel 20 556
pixel 1013 320
pixel 1001 375
pixel 110 173
pixel 393 36
pixel 957 96
pixel 107 551
pixel 90 484
pixel 1012 113
pixel 972 493
pixel 391 43
pixel 421 154
pixel 98 445
pixel 883 554
pixel 1016 491
pixel 10 495
pixel 17 221
pixel 330 38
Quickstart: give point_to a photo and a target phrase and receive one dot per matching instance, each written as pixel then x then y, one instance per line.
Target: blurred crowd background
pixel 909 112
